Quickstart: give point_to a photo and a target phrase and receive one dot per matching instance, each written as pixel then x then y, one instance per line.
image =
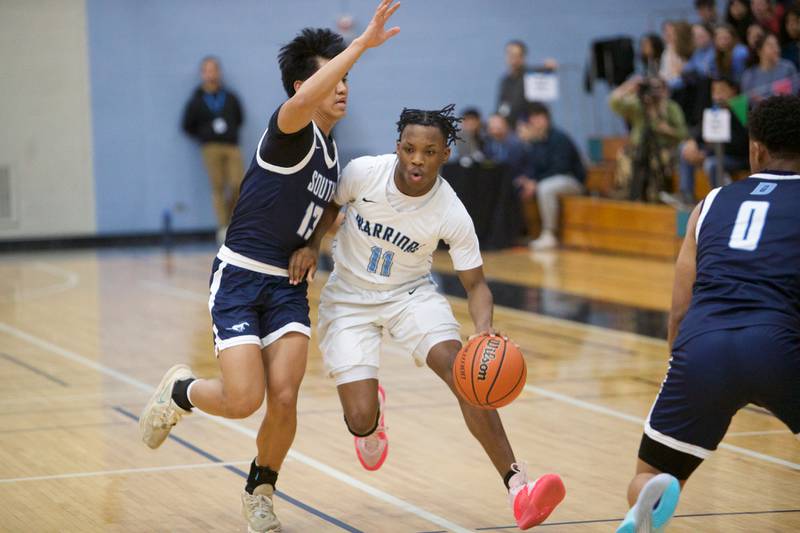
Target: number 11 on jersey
pixel 377 255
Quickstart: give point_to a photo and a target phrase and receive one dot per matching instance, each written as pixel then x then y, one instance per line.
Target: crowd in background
pixel 728 60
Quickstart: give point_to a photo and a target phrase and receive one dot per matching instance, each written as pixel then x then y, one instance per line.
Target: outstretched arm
pixel 296 113
pixel 479 297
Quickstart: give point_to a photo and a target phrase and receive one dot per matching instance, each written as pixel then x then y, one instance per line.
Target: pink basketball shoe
pixel 533 501
pixel 373 449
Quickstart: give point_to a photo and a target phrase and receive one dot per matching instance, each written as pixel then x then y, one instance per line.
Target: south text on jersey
pixel 321 187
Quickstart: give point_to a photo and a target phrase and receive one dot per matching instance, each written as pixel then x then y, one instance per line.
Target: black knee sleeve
pixel 679 464
pixel 368 433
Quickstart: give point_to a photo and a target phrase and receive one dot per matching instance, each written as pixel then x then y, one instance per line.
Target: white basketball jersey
pixel 380 245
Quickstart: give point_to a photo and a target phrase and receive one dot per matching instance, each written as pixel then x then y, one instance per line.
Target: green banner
pixel 739 104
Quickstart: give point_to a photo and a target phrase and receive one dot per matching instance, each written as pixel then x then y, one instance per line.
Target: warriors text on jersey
pixel 382 242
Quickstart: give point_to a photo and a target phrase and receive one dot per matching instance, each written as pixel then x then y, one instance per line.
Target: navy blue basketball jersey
pixel 748 256
pixel 280 205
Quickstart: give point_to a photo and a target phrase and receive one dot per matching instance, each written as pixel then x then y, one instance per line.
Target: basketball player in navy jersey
pixel 260 318
pixel 734 326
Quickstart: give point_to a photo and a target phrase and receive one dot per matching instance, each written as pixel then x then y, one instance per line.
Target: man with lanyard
pixel 213 117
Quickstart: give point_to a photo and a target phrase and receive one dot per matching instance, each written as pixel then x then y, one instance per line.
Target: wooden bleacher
pixel 601 224
pixel 604 225
pixel 600 174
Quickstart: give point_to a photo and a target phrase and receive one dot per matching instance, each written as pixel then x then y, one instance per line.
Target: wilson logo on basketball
pixel 489 372
pixel 488 355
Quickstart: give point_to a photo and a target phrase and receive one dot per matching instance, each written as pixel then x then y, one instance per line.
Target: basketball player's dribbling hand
pixel 302 265
pixel 489 331
pixel 375 34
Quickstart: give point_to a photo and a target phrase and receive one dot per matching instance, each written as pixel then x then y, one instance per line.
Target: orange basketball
pixel 489 372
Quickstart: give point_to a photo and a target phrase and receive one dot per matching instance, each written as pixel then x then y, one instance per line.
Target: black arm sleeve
pixel 285 149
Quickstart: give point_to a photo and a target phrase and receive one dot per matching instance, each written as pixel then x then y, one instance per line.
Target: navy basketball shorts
pixel 711 376
pixel 250 307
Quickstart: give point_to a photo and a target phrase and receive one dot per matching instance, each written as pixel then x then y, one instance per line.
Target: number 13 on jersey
pixel 310 220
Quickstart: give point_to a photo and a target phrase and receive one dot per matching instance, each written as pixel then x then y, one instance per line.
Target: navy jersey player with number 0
pixel 259 315
pixel 734 328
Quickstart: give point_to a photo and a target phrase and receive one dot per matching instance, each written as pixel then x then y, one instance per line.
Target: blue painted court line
pixel 214 459
pixel 34 370
pixel 604 520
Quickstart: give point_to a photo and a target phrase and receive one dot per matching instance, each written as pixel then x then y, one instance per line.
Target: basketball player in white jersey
pixel 398 208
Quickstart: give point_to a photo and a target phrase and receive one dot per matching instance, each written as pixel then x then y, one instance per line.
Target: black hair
pixel 775 123
pixel 471 112
pixel 517 42
pixel 728 80
pixel 536 108
pixel 298 59
pixel 784 36
pixel 704 3
pixel 656 43
pixel 444 119
pixel 761 41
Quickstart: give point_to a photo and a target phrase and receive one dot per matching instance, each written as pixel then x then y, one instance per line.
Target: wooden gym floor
pixel 84 335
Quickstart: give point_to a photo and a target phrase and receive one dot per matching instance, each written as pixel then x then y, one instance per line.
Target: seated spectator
pixel 739 17
pixel 657 126
pixel 768 14
pixel 702 59
pixel 502 145
pixel 772 75
pixel 553 168
pixel 651 48
pixel 677 49
pixel 706 11
pixel 469 145
pixel 731 56
pixel 695 152
pixel 790 44
pixel 692 91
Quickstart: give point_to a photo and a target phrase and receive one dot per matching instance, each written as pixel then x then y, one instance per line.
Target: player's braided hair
pixel 444 119
pixel 775 123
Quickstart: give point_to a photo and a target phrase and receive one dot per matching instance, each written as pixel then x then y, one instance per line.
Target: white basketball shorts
pixel 352 320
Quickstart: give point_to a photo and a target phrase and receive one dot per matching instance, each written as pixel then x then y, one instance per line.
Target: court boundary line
pixel 39 372
pixel 589 406
pixel 121 471
pixel 242 474
pixel 305 459
pixel 605 520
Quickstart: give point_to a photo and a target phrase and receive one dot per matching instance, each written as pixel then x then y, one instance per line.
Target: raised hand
pixel 376 34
